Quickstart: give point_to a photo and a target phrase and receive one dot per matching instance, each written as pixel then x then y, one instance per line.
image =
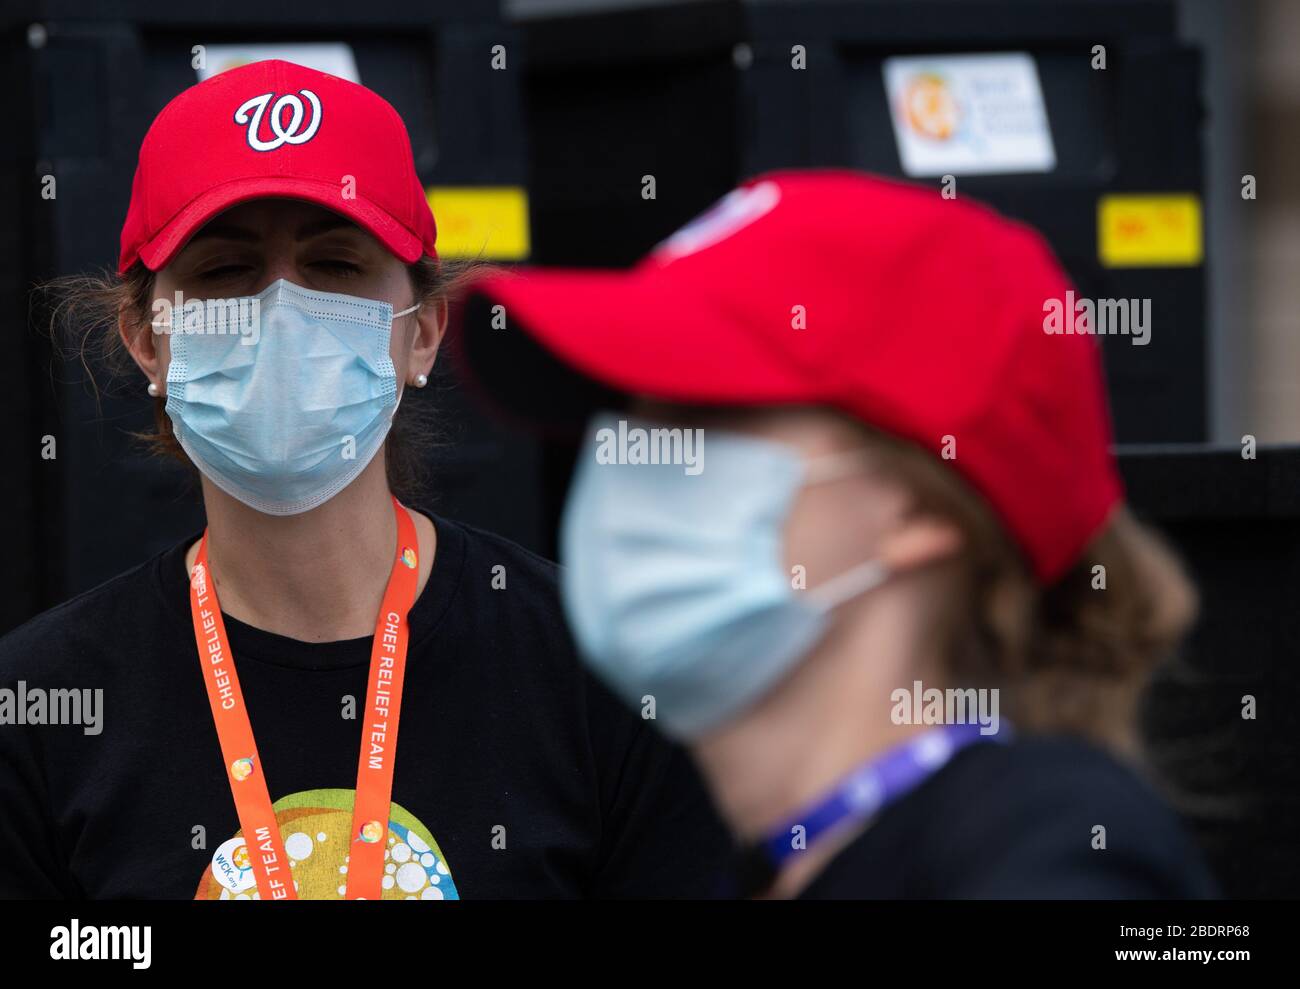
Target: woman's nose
pixel 273 275
pixel 277 265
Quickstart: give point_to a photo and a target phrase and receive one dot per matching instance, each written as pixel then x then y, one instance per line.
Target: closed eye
pixel 337 268
pixel 225 271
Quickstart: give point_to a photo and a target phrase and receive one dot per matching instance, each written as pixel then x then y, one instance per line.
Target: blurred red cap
pixel 918 315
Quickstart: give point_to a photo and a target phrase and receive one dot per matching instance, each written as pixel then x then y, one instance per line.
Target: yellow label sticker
pixel 489 222
pixel 1149 231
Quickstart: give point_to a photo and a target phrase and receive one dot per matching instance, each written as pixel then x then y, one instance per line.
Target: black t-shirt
pixel 517 774
pixel 1016 821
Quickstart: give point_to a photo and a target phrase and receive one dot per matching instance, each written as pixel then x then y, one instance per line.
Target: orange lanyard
pixel 378 731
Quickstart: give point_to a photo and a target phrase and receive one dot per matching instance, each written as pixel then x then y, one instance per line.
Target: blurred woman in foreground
pixel 857 536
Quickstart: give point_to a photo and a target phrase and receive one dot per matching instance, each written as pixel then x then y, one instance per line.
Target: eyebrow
pixel 225 231
pixel 324 225
pixel 315 228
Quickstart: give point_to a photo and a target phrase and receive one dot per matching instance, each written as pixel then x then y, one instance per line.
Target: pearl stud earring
pixel 152 390
pixel 421 380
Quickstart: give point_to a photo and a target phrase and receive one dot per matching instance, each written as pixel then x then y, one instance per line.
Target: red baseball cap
pixel 274 129
pixel 918 315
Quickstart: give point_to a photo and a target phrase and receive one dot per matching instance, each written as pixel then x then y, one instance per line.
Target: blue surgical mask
pixel 675 583
pixel 284 410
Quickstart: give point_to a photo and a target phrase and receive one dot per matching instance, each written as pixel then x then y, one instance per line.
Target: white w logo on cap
pixel 283 135
pixel 736 209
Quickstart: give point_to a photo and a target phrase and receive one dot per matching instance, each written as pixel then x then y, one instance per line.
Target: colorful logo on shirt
pixel 316 826
pixel 408 557
pixel 241 769
pixel 371 832
pixel 232 867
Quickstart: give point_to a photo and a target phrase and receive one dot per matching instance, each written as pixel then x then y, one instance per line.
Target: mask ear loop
pixel 401 392
pixel 861 577
pixel 858 579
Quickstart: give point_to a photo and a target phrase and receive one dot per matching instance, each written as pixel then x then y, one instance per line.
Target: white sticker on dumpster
pixel 335 58
pixel 968 114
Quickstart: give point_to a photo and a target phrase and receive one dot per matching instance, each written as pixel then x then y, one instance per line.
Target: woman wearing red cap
pixel 279 289
pixel 856 535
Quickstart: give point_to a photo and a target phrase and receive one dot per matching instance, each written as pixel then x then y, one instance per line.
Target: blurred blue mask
pixel 675 583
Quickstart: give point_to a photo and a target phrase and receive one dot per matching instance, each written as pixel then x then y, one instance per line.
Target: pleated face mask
pixel 285 417
pixel 675 585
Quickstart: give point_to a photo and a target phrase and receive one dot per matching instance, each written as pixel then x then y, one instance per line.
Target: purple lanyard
pixel 876 784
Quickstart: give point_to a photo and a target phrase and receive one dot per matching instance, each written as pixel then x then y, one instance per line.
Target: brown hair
pixel 83 322
pixel 1073 656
